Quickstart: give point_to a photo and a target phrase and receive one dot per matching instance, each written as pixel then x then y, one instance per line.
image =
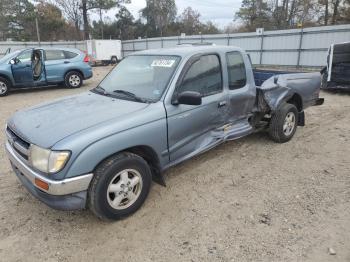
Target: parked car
pixel 36 67
pixel 157 108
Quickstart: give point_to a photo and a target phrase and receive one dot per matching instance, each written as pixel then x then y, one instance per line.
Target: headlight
pixel 46 160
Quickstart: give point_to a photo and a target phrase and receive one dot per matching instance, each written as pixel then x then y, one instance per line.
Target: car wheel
pixel 73 79
pixel 284 123
pixel 114 60
pixel 120 186
pixel 4 86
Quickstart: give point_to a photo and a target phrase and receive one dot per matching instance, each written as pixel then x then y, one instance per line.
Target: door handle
pixel 222 103
pixel 27 65
pixel 66 62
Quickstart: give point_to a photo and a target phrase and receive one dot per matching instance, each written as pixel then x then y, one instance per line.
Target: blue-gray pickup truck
pixel 101 149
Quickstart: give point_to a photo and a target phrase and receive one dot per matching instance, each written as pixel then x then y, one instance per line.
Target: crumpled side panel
pixel 280 88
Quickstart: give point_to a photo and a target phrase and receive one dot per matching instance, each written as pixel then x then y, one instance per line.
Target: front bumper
pixel 66 194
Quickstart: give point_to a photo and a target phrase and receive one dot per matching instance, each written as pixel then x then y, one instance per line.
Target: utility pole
pixel 37 30
pixel 101 24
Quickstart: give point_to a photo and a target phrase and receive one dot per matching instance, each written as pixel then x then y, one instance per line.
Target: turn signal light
pixel 41 184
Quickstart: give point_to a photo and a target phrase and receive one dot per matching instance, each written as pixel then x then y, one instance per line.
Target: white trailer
pixel 104 51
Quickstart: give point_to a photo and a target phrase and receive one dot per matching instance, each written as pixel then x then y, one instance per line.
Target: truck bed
pixel 261 75
pixel 276 86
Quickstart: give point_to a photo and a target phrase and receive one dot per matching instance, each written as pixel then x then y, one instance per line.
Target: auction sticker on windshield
pixel 163 63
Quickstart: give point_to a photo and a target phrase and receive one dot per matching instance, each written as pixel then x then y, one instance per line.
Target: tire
pixel 284 123
pixel 114 60
pixel 73 79
pixel 5 86
pixel 122 201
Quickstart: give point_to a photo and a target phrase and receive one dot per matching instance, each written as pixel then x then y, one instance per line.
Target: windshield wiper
pixel 131 95
pixel 99 90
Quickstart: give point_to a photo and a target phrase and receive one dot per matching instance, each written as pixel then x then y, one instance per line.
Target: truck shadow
pixel 236 148
pixel 64 219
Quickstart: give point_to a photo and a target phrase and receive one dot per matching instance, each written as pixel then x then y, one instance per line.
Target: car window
pixel 69 55
pixel 54 55
pixel 24 57
pixel 237 77
pixel 9 56
pixel 204 76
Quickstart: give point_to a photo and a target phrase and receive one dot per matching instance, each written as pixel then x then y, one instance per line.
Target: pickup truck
pixel 101 149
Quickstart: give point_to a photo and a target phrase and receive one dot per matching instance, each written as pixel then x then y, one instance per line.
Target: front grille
pixel 18 144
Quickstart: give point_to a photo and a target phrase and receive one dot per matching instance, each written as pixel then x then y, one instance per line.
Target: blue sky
pixel 221 12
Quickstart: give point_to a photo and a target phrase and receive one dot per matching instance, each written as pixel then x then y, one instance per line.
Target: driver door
pixel 22 70
pixel 193 129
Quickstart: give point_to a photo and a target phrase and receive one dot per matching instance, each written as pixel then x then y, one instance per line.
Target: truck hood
pixel 46 124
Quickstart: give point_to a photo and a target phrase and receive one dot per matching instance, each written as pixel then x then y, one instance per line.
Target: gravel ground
pixel 246 200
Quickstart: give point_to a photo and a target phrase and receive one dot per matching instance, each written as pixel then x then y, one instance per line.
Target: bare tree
pixel 335 11
pixel 72 10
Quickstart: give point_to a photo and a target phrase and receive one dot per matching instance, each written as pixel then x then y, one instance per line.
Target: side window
pixel 25 56
pixel 237 77
pixel 204 76
pixel 54 55
pixel 69 55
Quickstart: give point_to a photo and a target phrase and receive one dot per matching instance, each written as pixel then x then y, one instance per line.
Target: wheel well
pixel 74 70
pixel 297 101
pixel 150 156
pixel 7 78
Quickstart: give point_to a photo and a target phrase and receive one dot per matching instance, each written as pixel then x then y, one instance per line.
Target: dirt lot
pixel 247 200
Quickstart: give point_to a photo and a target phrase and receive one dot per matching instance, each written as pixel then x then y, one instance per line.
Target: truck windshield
pixel 140 77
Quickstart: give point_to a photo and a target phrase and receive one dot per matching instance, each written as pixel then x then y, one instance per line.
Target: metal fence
pixel 295 47
pixel 305 47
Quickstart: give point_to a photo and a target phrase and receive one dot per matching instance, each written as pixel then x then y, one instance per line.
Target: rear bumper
pixel 345 87
pixel 88 74
pixel 66 194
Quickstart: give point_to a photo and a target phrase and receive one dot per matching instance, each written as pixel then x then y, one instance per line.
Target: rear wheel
pixel 114 60
pixel 73 79
pixel 4 86
pixel 120 186
pixel 284 123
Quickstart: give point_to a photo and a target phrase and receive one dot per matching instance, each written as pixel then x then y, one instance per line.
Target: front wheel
pixel 284 123
pixel 73 79
pixel 120 186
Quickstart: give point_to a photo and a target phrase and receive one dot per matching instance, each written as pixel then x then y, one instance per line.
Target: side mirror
pixel 189 98
pixel 12 61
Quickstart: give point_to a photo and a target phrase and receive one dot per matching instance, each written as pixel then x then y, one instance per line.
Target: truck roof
pixel 187 50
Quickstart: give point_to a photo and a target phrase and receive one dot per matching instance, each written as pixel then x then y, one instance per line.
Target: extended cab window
pixel 237 77
pixel 204 76
pixel 54 55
